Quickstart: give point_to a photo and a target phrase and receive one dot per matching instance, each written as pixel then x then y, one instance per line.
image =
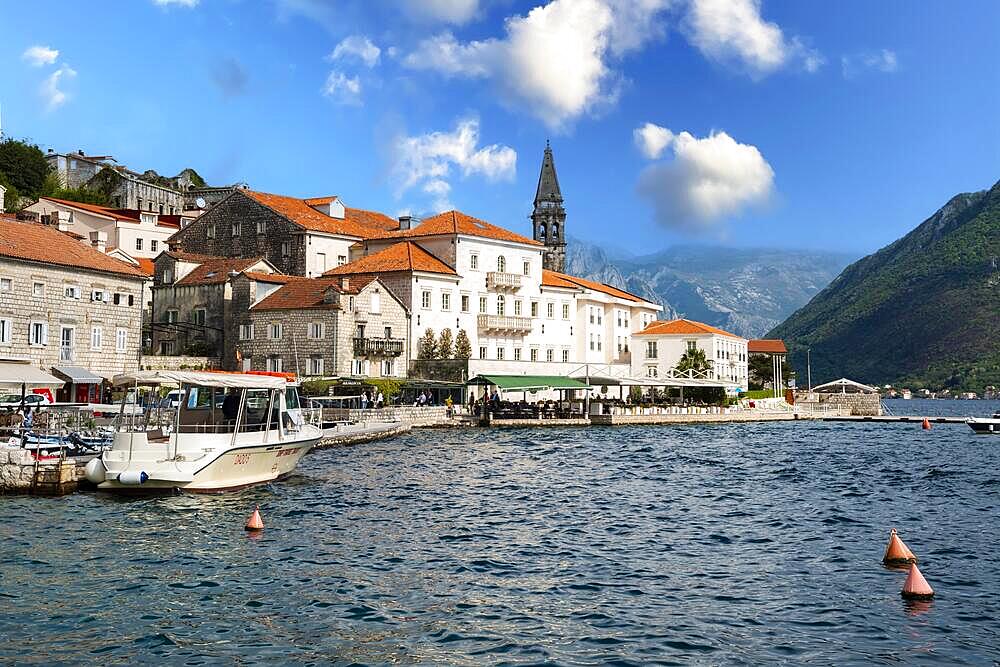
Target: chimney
pixel 63 221
pixel 99 240
pixel 405 222
pixel 345 283
pixel 80 152
pixel 330 295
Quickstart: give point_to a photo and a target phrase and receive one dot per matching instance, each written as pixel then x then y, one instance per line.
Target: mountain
pixel 746 291
pixel 923 311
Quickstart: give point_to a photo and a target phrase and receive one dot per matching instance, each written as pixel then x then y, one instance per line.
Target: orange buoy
pixel 926 424
pixel 254 523
pixel 916 587
pixel 896 552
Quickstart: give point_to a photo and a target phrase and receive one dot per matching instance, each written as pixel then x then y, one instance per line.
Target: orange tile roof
pixel 682 327
pixel 556 279
pixel 145 265
pixel 319 201
pixel 216 270
pixel 185 256
pixel 262 277
pixel 90 208
pixel 307 293
pixel 34 242
pixel 405 256
pixel 356 222
pixel 456 222
pixel 767 346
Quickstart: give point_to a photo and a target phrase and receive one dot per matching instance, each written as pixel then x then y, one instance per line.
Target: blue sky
pixel 804 125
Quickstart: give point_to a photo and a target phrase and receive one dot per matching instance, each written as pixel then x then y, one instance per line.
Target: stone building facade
pixel 193 304
pixel 76 169
pixel 327 327
pixel 302 237
pixel 64 304
pixel 126 190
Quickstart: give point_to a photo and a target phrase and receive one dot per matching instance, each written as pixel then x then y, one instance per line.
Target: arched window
pixel 555 230
pixel 541 231
pixel 500 302
pixel 502 264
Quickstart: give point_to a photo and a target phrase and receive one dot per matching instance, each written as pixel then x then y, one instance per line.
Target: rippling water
pixel 736 544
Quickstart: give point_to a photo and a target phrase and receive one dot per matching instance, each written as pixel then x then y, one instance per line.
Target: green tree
pixel 427 345
pixel 11 196
pixel 693 359
pixel 761 371
pixel 463 348
pixel 445 348
pixel 24 166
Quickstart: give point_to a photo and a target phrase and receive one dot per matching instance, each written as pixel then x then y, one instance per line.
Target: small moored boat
pixel 985 425
pixel 230 431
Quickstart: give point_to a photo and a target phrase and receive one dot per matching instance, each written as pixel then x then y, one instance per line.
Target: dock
pixel 898 419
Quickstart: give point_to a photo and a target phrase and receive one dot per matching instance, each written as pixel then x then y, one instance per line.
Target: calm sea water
pixel 729 544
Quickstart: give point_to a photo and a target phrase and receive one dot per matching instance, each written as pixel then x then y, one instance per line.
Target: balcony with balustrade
pixel 498 280
pixel 378 347
pixel 505 323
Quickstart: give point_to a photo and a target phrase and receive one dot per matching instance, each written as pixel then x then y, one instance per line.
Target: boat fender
pixel 95 470
pixel 132 477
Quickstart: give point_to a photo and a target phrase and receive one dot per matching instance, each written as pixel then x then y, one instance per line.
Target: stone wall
pixel 867 405
pixel 177 363
pixel 185 335
pixel 20 474
pixel 245 213
pixel 295 348
pixel 414 416
pixel 20 307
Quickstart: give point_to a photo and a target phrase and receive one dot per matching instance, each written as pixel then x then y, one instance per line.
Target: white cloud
pixel 426 161
pixel 40 55
pixel 443 11
pixel 884 61
pixel 708 180
pixel 733 30
pixel 552 61
pixel 176 3
pixel 342 89
pixel 357 46
pixel 51 89
pixel 652 139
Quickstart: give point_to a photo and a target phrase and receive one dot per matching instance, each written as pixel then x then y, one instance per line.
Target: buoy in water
pixel 926 424
pixel 916 587
pixel 896 552
pixel 254 523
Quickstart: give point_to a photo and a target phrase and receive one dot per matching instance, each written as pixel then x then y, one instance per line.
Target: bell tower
pixel 548 220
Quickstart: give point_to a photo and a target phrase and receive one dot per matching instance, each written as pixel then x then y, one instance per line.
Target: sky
pixel 743 123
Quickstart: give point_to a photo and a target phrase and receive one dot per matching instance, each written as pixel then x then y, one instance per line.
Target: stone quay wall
pixel 414 416
pixel 862 405
pixel 21 474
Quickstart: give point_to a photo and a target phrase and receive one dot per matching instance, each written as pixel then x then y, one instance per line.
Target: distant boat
pixel 984 425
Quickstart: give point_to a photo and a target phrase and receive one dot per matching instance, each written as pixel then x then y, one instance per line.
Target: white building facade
pixel 660 346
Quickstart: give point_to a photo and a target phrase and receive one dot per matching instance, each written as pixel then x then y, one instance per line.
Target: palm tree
pixel 693 360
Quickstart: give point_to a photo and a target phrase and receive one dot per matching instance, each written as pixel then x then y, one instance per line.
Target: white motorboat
pixel 985 425
pixel 231 431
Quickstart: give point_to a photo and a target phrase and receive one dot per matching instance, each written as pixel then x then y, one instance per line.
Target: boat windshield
pixel 218 410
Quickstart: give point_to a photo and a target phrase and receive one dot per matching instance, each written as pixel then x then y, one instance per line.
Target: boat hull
pixel 237 468
pixel 985 426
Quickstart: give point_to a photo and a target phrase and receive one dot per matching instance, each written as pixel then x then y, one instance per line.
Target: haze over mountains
pixel 744 290
pixel 923 311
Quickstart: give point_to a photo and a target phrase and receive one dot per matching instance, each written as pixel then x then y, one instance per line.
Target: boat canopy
pixel 203 379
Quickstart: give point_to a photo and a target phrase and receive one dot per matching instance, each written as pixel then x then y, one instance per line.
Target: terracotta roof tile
pixel 262 277
pixel 35 242
pixel 555 279
pixel 682 327
pixel 356 222
pixel 216 270
pixel 145 265
pixel 405 256
pixel 767 346
pixel 456 222
pixel 90 208
pixel 307 293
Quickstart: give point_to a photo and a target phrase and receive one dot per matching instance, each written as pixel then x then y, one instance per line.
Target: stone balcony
pixel 499 280
pixel 378 347
pixel 505 323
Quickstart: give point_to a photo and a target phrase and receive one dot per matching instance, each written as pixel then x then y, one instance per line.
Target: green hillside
pixel 923 311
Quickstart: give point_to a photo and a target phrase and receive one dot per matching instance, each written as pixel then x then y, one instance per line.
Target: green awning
pixel 528 382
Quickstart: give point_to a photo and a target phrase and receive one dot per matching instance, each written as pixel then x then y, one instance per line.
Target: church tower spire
pixel 548 220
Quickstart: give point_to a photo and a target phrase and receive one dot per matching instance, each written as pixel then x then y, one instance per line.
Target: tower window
pixel 555 230
pixel 541 231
